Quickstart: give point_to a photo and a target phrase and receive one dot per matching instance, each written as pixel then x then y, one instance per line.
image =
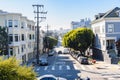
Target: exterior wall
pixel 27 45
pixel 116 32
pixel 99 31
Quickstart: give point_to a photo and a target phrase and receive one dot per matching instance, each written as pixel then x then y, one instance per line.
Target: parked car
pixel 43 62
pixel 83 60
pixel 59 52
pixel 51 53
pixel 65 51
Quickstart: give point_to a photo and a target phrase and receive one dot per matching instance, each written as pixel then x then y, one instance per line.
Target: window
pixel 22 37
pixel 110 28
pixel 29 45
pixel 33 28
pixel 18 50
pixel 22 24
pixel 33 37
pixel 11 51
pixel 30 36
pixel 10 38
pixel 22 48
pixel 16 37
pixel 10 23
pixel 15 23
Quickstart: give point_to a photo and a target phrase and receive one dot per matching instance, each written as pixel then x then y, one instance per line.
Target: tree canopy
pixel 11 70
pixel 50 42
pixel 3 41
pixel 78 39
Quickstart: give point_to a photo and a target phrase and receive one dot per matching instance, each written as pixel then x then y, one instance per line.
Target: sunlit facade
pixel 21 32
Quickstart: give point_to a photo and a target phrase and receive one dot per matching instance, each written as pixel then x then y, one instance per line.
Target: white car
pixel 65 51
pixel 50 77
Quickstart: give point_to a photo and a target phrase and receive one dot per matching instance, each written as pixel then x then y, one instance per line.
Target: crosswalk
pixel 65 67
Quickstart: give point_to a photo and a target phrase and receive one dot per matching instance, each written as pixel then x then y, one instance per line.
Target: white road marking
pixel 68 67
pixel 46 67
pixel 38 69
pixel 53 67
pixel 60 67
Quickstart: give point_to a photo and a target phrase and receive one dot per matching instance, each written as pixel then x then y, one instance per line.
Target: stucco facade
pixel 21 32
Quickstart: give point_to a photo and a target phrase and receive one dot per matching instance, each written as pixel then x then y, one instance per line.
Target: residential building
pixel 83 23
pixel 21 32
pixel 106 28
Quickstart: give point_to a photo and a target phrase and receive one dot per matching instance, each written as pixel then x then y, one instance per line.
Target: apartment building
pixel 82 23
pixel 21 32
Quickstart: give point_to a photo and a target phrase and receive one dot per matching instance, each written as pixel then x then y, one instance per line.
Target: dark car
pixel 43 62
pixel 51 53
pixel 83 60
pixel 59 52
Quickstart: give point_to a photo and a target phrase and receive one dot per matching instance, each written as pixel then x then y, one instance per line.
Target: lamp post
pixel 39 19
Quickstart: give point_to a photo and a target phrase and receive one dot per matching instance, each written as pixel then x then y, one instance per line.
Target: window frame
pixel 110 28
pixel 16 23
pixel 10 23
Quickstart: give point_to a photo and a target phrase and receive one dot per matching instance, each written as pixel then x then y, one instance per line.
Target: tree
pixel 78 39
pixel 11 70
pixel 50 42
pixel 3 41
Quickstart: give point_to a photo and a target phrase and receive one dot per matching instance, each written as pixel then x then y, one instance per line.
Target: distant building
pixel 106 28
pixel 82 23
pixel 21 32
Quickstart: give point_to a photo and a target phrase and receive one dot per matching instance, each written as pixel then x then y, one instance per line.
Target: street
pixel 61 66
pixel 65 66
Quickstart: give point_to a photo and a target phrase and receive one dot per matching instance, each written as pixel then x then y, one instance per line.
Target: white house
pixel 106 28
pixel 21 32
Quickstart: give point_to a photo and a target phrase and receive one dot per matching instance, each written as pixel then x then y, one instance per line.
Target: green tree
pixel 78 39
pixel 11 70
pixel 3 41
pixel 50 42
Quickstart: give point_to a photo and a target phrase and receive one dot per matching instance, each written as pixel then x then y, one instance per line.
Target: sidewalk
pixel 104 65
pixel 44 55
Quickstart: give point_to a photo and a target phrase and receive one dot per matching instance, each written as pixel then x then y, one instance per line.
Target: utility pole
pixel 47 40
pixel 39 10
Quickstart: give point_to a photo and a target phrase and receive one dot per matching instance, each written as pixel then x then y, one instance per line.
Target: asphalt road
pixel 65 66
pixel 60 65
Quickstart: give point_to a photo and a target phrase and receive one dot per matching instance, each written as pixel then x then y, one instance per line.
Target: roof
pixel 6 13
pixel 113 13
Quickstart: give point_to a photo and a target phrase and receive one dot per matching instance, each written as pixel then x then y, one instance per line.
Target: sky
pixel 60 12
